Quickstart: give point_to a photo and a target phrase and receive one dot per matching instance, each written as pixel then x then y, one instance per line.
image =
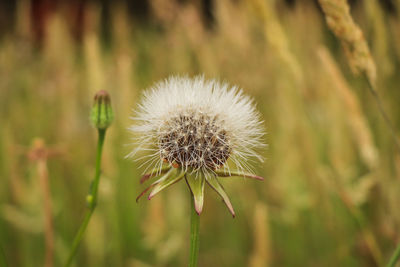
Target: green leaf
pixel 196 185
pixel 214 183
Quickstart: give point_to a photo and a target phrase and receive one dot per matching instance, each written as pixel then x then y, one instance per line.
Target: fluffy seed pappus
pixel 196 129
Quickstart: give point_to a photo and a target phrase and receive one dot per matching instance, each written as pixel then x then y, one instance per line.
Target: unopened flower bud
pixel 102 114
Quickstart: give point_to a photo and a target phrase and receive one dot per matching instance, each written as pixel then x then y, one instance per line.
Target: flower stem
pixel 395 257
pixel 194 235
pixel 48 218
pixel 91 198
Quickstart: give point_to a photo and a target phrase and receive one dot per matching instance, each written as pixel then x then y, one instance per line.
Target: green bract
pixel 195 180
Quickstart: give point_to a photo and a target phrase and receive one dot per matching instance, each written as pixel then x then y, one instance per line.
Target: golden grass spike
pixel 339 20
pixel 357 122
pixel 277 38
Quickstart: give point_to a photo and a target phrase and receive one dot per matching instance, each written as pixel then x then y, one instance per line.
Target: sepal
pixel 214 184
pixel 196 185
pixel 168 181
pixel 238 173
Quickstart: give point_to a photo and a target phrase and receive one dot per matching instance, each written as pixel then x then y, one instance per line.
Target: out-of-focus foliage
pixel 331 195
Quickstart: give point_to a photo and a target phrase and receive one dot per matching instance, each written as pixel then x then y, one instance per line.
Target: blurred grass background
pixel 332 191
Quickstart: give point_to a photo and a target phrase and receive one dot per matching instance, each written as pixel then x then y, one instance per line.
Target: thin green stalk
pixel 194 235
pixel 3 261
pixel 91 198
pixel 395 257
pixel 383 112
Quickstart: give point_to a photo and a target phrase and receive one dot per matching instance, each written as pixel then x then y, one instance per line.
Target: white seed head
pixel 197 124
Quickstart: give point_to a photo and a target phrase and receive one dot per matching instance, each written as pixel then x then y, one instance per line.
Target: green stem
pixel 3 261
pixel 91 199
pixel 194 235
pixel 395 257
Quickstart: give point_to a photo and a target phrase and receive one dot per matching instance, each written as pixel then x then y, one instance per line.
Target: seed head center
pixel 194 140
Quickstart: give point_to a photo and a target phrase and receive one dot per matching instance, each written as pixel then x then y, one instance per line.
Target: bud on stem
pixel 102 114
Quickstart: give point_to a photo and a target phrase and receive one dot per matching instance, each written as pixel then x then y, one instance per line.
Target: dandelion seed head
pixel 197 124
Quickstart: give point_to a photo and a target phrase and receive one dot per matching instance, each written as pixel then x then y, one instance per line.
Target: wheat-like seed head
pixel 339 20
